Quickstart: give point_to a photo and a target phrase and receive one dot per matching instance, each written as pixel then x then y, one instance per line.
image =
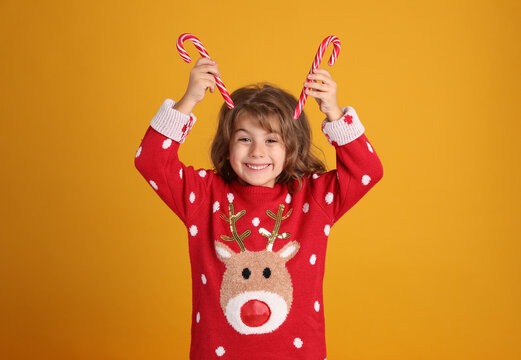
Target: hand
pixel 324 93
pixel 202 78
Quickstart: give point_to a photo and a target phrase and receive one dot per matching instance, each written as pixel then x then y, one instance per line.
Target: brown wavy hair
pixel 262 101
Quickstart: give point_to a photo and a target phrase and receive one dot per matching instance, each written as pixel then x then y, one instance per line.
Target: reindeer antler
pixel 275 233
pixel 232 220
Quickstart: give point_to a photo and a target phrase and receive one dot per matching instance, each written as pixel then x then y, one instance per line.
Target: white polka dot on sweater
pixel 315 176
pixel 313 259
pixel 255 222
pixel 193 230
pixel 329 198
pixel 181 173
pixel 288 199
pixel 230 197
pixel 317 306
pixel 298 343
pixel 220 351
pixel 167 143
pixel 327 228
pixel 198 317
pixel 138 151
pixel 305 208
pixel 202 173
pixel 369 147
pixel 216 206
pixel 203 279
pixel 366 179
pixel 192 197
pixel 154 185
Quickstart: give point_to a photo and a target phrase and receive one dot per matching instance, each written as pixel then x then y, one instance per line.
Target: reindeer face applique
pixel 256 290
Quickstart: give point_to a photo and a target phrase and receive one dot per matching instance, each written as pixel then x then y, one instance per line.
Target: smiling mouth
pixel 257 167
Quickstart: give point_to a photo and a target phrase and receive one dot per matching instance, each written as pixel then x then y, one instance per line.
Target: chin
pixel 261 184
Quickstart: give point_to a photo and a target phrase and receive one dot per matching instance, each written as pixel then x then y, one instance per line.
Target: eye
pixel 271 141
pixel 266 273
pixel 243 139
pixel 246 273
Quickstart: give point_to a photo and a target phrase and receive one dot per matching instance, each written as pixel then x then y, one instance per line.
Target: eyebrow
pixel 270 133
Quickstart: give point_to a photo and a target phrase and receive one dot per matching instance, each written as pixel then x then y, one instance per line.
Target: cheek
pixel 282 155
pixel 236 154
pixel 232 152
pixel 283 159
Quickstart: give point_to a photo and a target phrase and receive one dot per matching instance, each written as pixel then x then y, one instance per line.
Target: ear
pixel 289 250
pixel 224 253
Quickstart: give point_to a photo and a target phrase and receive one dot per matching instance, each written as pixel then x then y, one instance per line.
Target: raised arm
pixel 358 166
pixel 181 187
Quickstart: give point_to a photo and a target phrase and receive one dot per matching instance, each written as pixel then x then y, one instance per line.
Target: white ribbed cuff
pixel 171 122
pixel 345 129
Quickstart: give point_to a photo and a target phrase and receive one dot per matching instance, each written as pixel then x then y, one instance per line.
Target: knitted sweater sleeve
pixel 157 160
pixel 358 167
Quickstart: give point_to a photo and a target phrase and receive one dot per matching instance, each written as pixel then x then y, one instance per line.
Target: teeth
pixel 260 167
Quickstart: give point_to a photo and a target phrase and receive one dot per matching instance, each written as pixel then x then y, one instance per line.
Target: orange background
pixel 95 266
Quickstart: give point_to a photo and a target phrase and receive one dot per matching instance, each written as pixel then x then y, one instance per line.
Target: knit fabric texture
pixel 257 253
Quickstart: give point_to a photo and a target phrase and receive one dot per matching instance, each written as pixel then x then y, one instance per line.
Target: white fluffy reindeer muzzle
pixel 256 312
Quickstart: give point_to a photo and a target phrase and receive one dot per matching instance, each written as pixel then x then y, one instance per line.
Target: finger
pixel 204 60
pixel 314 93
pixel 207 65
pixel 212 69
pixel 322 72
pixel 210 84
pixel 321 77
pixel 316 86
pixel 208 77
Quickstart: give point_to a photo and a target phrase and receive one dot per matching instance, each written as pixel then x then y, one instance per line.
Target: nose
pixel 255 313
pixel 257 149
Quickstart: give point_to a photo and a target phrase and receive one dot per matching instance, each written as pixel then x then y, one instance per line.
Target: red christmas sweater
pixel 257 254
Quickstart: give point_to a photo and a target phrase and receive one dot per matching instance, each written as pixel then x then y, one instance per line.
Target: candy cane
pixel 316 63
pixel 204 53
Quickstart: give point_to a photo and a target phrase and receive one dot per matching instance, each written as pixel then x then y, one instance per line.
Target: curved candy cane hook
pixel 204 53
pixel 316 63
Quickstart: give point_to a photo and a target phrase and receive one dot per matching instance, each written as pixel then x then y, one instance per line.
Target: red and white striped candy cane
pixel 316 63
pixel 204 53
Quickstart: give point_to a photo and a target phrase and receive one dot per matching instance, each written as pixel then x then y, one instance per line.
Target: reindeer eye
pixel 246 273
pixel 266 272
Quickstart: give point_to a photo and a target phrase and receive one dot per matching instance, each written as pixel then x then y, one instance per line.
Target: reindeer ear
pixel 224 253
pixel 289 250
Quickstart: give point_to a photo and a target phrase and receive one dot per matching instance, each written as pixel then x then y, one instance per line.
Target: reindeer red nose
pixel 255 313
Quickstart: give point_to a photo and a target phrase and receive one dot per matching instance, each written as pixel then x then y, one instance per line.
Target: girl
pixel 259 222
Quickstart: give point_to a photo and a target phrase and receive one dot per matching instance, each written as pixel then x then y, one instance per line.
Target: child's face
pixel 256 155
